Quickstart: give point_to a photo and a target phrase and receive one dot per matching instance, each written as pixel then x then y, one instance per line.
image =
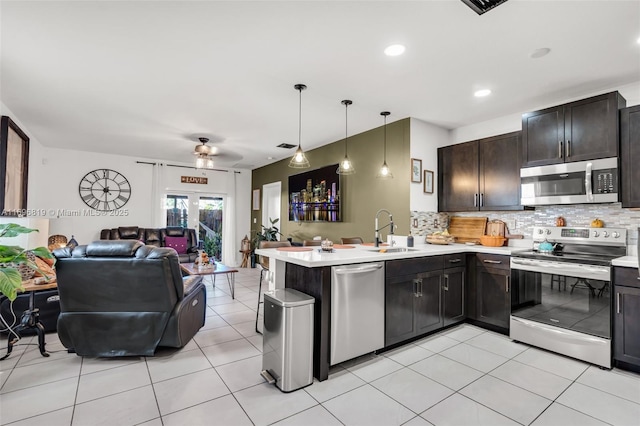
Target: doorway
pixel 271 203
pixel 202 212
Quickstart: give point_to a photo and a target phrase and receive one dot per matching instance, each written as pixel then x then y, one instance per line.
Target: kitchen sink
pixel 393 250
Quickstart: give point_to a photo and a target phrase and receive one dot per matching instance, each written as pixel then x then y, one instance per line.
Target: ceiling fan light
pixel 209 163
pixel 199 162
pixel 202 149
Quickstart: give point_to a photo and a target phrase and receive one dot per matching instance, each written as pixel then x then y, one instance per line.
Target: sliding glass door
pixel 202 212
pixel 210 209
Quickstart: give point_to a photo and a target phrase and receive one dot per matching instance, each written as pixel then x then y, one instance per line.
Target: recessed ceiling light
pixel 269 158
pixel 539 53
pixel 482 93
pixel 394 50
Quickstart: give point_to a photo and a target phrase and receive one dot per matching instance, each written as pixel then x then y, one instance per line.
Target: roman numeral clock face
pixel 105 190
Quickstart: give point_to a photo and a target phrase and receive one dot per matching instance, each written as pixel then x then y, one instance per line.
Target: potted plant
pixel 11 257
pixel 265 234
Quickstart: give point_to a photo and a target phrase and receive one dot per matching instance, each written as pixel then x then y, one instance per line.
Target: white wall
pixel 513 122
pixel 55 174
pixel 426 138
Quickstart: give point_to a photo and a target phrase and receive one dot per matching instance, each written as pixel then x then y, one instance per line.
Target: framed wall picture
pixel 428 182
pixel 416 170
pixel 14 168
pixel 256 199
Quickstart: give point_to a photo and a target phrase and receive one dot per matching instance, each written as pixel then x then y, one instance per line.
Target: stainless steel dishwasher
pixel 357 310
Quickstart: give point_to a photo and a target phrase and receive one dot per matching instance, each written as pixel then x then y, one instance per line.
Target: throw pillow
pixel 179 244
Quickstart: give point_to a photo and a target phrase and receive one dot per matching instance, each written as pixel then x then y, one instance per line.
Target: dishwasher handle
pixel 358 270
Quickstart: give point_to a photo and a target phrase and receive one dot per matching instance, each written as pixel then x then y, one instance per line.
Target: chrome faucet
pixel 390 225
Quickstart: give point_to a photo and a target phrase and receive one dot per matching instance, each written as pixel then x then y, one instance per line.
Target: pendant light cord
pixel 385 139
pixel 300 118
pixel 346 138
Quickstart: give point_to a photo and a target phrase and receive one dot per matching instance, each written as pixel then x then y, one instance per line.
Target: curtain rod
pixel 186 167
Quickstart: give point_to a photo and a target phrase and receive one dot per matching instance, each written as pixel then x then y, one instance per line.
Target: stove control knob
pixel 596 234
pixel 540 231
pixel 605 234
pixel 547 231
pixel 616 235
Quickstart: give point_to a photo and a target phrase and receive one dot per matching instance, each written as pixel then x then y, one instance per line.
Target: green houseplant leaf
pixel 267 234
pixel 13 256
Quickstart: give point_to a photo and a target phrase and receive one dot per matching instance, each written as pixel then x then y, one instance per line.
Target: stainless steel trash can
pixel 287 356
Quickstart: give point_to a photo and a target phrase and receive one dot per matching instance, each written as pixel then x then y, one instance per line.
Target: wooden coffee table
pixel 192 269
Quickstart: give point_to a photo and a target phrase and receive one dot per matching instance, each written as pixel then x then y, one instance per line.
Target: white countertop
pixel 361 253
pixel 628 261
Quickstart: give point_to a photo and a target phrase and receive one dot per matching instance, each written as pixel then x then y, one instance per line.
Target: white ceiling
pixel 147 78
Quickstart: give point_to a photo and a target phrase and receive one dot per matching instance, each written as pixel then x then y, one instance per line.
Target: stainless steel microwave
pixel 594 181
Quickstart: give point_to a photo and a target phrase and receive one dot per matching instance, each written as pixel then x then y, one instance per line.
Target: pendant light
pixel 385 172
pixel 299 160
pixel 346 166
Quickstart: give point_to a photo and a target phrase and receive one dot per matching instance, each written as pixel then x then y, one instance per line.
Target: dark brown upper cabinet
pixel 577 131
pixel 630 156
pixel 480 175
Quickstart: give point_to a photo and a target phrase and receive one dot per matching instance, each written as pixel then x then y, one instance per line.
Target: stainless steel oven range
pixel 562 301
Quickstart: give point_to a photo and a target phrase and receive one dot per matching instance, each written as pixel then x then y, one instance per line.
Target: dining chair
pixel 351 240
pixel 306 243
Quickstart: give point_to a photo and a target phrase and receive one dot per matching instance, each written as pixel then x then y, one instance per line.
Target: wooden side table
pixel 246 256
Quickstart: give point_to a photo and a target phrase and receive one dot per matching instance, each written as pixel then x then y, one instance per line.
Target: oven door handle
pixel 556 265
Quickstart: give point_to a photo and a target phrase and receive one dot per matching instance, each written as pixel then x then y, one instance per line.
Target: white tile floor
pixel 462 376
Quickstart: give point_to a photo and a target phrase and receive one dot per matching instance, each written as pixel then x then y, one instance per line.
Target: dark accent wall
pixel 362 193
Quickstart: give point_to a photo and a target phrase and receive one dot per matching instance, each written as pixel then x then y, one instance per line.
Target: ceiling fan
pixel 207 153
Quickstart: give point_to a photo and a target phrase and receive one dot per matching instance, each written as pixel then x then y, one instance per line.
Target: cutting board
pixel 496 228
pixel 467 229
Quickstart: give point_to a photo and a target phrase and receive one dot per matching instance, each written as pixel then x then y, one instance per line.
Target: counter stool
pixel 561 280
pixel 581 282
pixel 264 264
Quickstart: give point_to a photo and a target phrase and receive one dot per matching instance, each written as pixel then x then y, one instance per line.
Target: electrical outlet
pixel 255 220
pixel 511 224
pixel 415 223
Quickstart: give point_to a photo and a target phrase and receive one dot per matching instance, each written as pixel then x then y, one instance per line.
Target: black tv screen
pixel 314 196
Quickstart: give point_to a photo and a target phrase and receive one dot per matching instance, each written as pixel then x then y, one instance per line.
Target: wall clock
pixel 104 190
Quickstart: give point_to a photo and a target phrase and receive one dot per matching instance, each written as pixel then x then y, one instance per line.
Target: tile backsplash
pixel 522 222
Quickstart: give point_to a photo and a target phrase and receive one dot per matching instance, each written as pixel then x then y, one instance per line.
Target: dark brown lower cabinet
pixel 626 317
pixel 453 300
pixel 429 296
pixel 427 304
pixel 412 306
pixel 493 290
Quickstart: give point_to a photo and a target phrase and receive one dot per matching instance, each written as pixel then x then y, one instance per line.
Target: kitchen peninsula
pixel 310 271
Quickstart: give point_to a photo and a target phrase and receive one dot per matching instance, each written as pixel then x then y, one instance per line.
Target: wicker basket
pixel 492 240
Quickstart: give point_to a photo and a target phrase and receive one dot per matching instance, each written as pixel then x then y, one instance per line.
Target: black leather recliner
pixel 121 298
